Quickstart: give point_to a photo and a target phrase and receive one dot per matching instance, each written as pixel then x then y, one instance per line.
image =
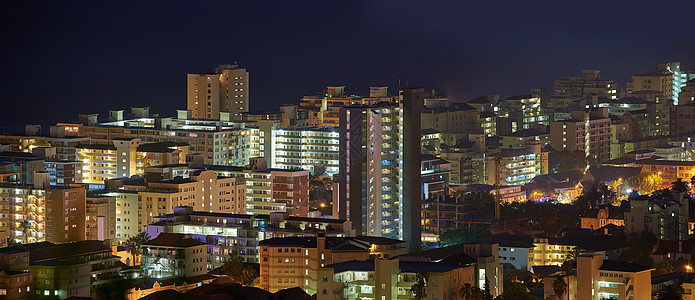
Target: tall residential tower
pixel 379 184
pixel 224 89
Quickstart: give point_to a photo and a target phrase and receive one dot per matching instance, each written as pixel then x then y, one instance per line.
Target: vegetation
pixel 594 193
pixel 559 287
pixel 133 243
pixel 680 186
pixel 238 271
pixel 514 290
pixel 567 267
pixel 25 225
pixel 419 289
pixel 545 216
pixel 462 236
pixel 670 292
pixel 640 246
pixel 645 183
pixel 12 242
pixel 566 160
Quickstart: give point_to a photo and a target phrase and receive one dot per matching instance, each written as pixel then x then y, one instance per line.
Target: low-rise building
pixel 223 232
pixel 667 218
pixel 484 256
pixel 15 284
pixel 173 255
pixel 63 270
pixel 295 261
pixel 603 279
pixel 392 279
pixel 669 170
pixel 603 215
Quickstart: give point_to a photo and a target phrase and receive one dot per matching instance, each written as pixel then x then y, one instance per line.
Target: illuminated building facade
pixel 379 184
pixel 225 233
pixel 314 150
pixel 575 87
pixel 126 157
pixel 221 89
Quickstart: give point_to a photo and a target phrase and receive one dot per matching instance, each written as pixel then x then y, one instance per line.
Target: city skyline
pixel 86 55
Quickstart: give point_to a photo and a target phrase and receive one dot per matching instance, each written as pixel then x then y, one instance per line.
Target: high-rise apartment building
pixel 682 120
pixel 101 218
pixel 126 157
pixel 226 233
pixel 40 212
pixel 521 112
pixel 379 185
pixel 220 142
pixel 668 79
pixel 588 131
pixel 324 109
pixel 268 190
pixel 311 149
pixel 575 87
pixel 222 89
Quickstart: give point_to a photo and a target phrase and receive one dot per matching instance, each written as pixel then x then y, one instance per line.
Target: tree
pixel 462 236
pixel 640 246
pixel 133 243
pixel 26 226
pixel 514 290
pixel 662 268
pixel 679 186
pixel 565 160
pixel 486 290
pixel 670 292
pixel 419 288
pixel 466 291
pixel 593 194
pixel 559 287
pixel 567 267
pixel 237 271
pixel 645 183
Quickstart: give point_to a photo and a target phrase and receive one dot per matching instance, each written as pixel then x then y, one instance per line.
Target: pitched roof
pixel 166 239
pixel 610 173
pixel 620 161
pixel 664 247
pixel 61 251
pixel 621 266
pixel 572 177
pixel 510 240
pixel 444 253
pixel 359 243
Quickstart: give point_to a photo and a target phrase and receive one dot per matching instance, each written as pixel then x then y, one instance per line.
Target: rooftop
pixel 178 240
pixel 619 266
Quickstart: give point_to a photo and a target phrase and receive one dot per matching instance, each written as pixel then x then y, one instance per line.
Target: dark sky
pixel 69 57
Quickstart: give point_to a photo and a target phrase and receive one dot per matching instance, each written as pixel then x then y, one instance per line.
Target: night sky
pixel 74 57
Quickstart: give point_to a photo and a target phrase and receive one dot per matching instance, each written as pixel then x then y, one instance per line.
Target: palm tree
pixel 466 290
pixel 567 267
pixel 25 225
pixel 559 286
pixel 132 245
pixel 679 186
pixel 418 289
